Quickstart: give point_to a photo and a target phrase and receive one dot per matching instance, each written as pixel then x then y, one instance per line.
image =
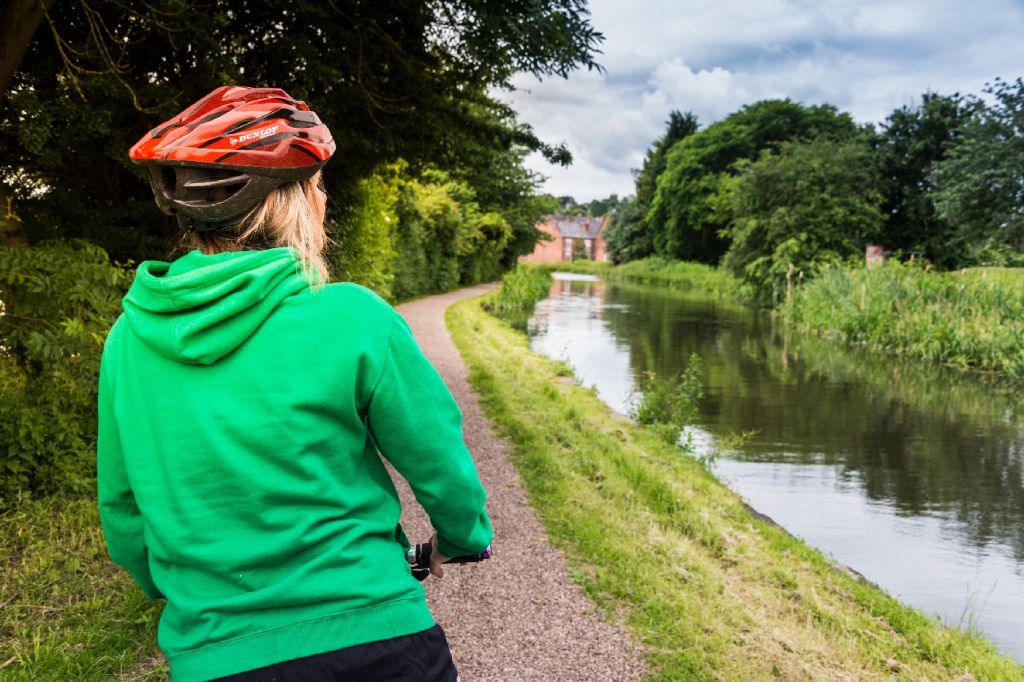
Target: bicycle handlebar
pixel 418 557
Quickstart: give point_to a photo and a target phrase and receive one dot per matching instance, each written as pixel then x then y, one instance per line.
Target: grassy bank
pixel 713 593
pixel 682 275
pixel 66 611
pixel 971 319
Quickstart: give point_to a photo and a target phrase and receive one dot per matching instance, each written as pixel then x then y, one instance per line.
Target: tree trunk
pixel 20 21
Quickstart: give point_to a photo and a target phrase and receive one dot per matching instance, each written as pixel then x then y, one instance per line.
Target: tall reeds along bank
pixel 712 592
pixel 520 289
pixel 971 319
pixel 683 275
pixel 677 274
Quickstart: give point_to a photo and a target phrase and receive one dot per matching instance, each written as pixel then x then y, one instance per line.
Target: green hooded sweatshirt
pixel 240 418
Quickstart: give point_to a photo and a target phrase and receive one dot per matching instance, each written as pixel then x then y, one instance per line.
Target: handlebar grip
pixel 418 557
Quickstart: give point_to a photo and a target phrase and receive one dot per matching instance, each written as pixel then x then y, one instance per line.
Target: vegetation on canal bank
pixel 683 275
pixel 66 611
pixel 521 288
pixel 712 591
pixel 972 319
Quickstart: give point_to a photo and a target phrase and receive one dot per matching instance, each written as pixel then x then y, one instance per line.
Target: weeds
pixel 521 289
pixel 970 319
pixel 681 275
pixel 737 441
pixel 669 404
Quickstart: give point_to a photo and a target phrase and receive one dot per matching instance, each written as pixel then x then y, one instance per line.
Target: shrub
pixel 521 289
pixel 669 404
pixel 59 301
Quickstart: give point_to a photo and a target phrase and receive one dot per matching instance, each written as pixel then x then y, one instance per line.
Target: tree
pixel 800 208
pixel 21 19
pixel 623 233
pixel 686 214
pixel 629 237
pixel 599 207
pixel 979 186
pixel 911 142
pixel 398 79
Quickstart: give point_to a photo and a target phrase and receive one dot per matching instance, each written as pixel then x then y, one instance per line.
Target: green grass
pixel 66 611
pixel 970 319
pixel 712 592
pixel 684 276
pixel 521 288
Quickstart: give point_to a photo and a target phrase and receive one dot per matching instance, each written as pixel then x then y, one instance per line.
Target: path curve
pixel 518 616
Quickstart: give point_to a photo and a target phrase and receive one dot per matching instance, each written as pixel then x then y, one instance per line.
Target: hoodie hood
pixel 201 307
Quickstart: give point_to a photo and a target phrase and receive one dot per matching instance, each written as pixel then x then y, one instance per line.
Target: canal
pixel 910 473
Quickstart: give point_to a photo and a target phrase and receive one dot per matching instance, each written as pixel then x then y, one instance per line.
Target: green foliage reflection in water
pixel 917 436
pixel 675 274
pixel 968 319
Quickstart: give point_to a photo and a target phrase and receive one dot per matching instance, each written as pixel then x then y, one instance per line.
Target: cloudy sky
pixel 864 56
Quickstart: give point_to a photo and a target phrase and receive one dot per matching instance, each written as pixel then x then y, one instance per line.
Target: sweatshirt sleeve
pixel 119 514
pixel 417 425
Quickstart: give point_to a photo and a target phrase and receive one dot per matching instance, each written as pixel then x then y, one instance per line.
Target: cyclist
pixel 243 401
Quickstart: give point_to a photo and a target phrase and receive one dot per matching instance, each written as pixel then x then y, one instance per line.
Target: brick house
pixel 570 234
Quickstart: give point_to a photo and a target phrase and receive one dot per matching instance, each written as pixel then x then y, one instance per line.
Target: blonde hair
pixel 285 218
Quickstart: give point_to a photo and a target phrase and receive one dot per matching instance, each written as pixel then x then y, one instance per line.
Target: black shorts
pixel 419 657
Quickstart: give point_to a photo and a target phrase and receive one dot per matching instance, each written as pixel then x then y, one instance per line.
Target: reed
pixel 972 318
pixel 683 275
pixel 520 289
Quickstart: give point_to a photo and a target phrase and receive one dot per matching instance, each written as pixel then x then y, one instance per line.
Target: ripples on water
pixel 910 473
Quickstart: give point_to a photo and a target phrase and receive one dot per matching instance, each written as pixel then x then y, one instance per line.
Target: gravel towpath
pixel 517 616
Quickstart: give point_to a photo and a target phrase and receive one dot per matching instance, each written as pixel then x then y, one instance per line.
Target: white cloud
pixel 865 57
pixel 711 94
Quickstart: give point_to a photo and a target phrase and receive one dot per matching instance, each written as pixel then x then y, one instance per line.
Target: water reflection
pixel 911 473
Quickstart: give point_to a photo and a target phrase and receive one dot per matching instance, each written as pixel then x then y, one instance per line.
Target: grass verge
pixel 683 275
pixel 66 611
pixel 712 592
pixel 971 319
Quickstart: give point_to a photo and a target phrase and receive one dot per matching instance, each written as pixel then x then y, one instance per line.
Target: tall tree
pixel 911 142
pixel 21 18
pixel 629 237
pixel 687 213
pixel 398 79
pixel 599 207
pixel 795 210
pixel 979 186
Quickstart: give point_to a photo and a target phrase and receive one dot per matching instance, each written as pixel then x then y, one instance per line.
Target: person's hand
pixel 436 558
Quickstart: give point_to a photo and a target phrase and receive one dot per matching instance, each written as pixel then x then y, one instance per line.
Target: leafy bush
pixel 364 252
pixel 683 275
pixel 669 404
pixel 59 301
pixel 795 211
pixel 520 289
pixel 403 237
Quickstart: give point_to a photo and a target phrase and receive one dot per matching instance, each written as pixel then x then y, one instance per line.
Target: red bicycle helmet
pixel 219 158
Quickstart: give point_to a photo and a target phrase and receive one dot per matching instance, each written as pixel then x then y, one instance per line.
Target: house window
pixel 568 248
pixel 587 243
